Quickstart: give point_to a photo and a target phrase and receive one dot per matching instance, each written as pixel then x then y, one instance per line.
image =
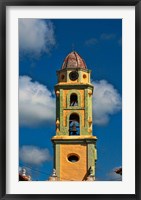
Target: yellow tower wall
pixel 73 171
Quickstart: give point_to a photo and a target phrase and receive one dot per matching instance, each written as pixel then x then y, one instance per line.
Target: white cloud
pixel 91 41
pixel 34 155
pixel 106 36
pixel 106 101
pixel 20 169
pixel 36 35
pixel 36 103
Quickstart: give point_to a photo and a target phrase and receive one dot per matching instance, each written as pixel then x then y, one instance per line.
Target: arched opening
pixel 74 124
pixel 73 100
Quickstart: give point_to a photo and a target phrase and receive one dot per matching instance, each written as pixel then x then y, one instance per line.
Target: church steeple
pixel 74 145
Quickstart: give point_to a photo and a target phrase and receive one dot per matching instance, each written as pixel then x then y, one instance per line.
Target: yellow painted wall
pixel 84 77
pixel 82 97
pixel 73 171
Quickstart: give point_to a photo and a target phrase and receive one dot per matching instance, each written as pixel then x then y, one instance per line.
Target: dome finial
pixel 73 47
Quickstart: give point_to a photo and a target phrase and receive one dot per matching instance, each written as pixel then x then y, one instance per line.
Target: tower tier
pixel 74 157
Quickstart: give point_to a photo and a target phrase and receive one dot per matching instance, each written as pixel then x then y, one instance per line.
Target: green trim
pixel 70 69
pixel 73 85
pixel 73 141
pixel 60 112
pixel 91 157
pixel 74 108
pixel 57 159
pixel 86 109
pixel 58 107
pixel 95 152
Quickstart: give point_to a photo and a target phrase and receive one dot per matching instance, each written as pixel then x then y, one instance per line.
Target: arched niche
pixel 74 124
pixel 73 99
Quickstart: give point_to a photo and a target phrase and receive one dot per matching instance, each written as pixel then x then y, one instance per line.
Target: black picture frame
pixel 3 5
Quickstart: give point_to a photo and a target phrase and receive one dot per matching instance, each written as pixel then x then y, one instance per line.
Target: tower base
pixel 74 157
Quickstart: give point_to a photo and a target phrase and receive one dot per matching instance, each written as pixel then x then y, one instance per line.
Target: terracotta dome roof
pixel 73 60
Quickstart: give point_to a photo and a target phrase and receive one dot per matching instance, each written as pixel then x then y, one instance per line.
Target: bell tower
pixel 75 152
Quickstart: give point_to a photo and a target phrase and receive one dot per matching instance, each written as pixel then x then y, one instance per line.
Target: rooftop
pixel 74 60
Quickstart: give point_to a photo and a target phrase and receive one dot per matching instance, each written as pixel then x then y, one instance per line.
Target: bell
pixel 73 129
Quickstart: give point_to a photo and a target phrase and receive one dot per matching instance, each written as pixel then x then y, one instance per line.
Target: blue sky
pixel 43 46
